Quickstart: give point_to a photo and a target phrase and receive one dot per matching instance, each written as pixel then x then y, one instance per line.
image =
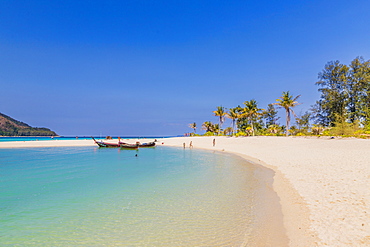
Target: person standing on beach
pixel 214 142
pixel 191 144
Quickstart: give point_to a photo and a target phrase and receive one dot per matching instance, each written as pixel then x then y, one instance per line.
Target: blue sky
pixel 152 67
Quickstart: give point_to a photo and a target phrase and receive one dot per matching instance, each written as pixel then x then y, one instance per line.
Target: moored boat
pixel 106 144
pixel 149 144
pixel 138 144
pixel 123 144
pixel 128 146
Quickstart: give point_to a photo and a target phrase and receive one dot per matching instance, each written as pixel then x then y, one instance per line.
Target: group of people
pixel 191 143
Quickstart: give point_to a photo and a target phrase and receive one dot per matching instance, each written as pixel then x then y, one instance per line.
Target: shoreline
pixel 296 215
pixel 323 184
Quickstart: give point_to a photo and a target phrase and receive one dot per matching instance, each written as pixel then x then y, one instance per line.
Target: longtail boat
pixel 140 145
pixel 123 144
pixel 106 144
pixel 128 146
pixel 149 144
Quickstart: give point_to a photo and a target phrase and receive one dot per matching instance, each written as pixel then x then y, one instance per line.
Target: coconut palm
pixel 208 126
pixel 220 113
pixel 228 131
pixel 193 126
pixel 287 102
pixel 216 129
pixel 251 112
pixel 233 114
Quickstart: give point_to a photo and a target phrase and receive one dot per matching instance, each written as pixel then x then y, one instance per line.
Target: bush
pixel 241 133
pixel 300 134
pixel 344 129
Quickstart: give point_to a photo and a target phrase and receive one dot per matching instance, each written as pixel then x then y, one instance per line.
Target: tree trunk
pixel 219 130
pixel 233 127
pixel 287 121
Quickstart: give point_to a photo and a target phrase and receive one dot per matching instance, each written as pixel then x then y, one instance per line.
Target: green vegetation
pixel 220 113
pixel 12 127
pixel 233 114
pixel 250 116
pixel 342 110
pixel 194 127
pixel 287 102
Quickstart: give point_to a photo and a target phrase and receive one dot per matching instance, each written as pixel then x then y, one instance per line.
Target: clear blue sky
pixel 152 67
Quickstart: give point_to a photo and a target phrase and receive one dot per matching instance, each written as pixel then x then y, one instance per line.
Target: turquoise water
pixel 85 196
pixel 48 138
pixel 39 138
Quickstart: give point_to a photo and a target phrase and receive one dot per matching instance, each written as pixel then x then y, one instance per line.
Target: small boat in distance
pixel 106 144
pixel 144 145
pixel 128 146
pixel 123 144
pixel 140 145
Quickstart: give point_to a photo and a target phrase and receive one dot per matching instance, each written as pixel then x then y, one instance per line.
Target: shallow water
pixel 66 138
pixel 86 196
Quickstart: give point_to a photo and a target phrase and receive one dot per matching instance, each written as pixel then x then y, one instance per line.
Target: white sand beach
pixel 323 184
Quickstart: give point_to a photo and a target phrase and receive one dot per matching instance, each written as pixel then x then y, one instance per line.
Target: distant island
pixel 12 127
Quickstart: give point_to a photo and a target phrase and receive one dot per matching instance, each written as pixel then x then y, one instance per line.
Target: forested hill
pixel 12 127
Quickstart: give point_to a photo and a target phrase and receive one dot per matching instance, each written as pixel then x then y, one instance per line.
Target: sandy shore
pixel 323 184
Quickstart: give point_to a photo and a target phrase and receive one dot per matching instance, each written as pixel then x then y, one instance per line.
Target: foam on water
pixel 88 196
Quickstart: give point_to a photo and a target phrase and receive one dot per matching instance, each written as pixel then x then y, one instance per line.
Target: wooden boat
pixel 106 144
pixel 128 146
pixel 149 144
pixel 140 145
pixel 123 144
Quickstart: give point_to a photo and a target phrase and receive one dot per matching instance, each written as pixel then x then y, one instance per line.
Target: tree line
pixel 11 127
pixel 15 131
pixel 342 109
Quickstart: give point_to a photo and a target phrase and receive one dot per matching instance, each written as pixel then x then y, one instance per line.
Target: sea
pixel 48 138
pixel 162 196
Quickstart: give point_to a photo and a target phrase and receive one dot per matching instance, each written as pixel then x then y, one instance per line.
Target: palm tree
pixel 193 126
pixel 220 112
pixel 251 112
pixel 208 126
pixel 233 114
pixel 287 102
pixel 216 129
pixel 228 131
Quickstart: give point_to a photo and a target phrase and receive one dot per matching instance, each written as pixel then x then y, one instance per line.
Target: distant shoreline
pixel 66 138
pixel 26 136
